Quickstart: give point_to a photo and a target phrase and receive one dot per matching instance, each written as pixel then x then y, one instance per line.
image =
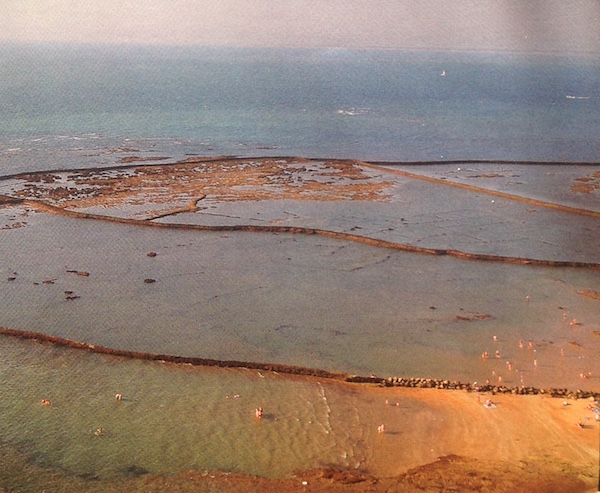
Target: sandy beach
pixel 523 444
pixel 431 276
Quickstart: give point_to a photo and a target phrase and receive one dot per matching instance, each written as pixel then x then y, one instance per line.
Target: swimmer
pixel 497 354
pixel 489 404
pixel 381 429
pixel 258 412
pixel 46 402
pixel 521 344
pixel 119 397
pixel 99 432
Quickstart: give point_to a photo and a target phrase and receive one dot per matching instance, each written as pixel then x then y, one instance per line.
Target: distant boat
pixel 577 97
pixel 354 111
pixel 443 74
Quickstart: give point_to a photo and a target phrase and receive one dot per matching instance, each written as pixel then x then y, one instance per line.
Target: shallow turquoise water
pixel 172 418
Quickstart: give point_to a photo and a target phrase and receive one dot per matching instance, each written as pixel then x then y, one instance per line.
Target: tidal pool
pixel 300 300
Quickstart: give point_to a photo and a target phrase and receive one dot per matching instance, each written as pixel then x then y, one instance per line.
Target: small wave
pixel 327 423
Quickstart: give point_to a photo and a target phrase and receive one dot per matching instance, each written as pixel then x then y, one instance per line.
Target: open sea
pixel 245 297
pixel 80 106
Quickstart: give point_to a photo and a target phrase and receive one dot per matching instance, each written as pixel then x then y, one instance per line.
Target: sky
pixel 565 26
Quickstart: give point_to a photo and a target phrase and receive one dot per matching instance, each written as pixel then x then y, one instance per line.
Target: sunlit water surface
pixel 174 418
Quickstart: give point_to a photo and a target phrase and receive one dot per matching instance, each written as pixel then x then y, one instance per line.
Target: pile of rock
pixel 432 383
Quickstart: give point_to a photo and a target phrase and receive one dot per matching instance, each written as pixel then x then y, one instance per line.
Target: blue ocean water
pixel 79 106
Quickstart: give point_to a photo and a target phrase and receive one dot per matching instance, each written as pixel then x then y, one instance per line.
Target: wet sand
pixel 524 440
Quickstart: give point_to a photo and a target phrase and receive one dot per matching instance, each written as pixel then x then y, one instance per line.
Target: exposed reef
pixel 141 194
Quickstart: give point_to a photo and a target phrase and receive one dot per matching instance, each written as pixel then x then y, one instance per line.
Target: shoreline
pixel 451 472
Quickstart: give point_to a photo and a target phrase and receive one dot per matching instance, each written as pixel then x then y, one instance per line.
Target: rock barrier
pixel 412 382
pixel 43 206
pixel 487 191
pixel 431 383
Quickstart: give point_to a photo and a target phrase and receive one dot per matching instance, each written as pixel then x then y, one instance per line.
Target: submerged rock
pixel 135 471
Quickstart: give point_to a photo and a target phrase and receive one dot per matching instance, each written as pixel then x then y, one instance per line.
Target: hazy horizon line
pixel 315 48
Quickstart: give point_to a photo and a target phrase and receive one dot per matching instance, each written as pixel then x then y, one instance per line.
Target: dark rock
pixel 136 471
